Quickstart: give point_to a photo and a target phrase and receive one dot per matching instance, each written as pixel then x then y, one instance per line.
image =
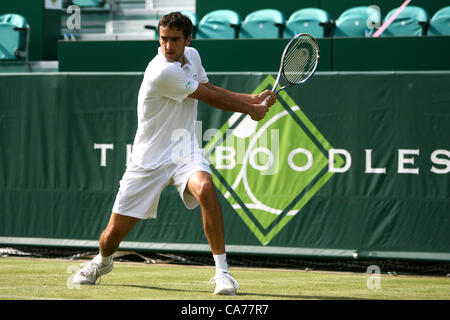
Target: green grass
pixel 22 278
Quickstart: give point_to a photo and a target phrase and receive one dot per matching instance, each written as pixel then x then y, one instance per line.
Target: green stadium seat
pixel 412 21
pixel 263 24
pixel 219 24
pixel 14 38
pixel 440 22
pixel 357 22
pixel 313 21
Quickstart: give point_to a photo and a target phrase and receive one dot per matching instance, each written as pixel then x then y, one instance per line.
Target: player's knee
pixel 205 190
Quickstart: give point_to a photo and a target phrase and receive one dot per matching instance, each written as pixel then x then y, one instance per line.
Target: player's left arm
pixel 246 97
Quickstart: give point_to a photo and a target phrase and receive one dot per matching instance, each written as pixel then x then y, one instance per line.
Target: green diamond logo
pixel 269 170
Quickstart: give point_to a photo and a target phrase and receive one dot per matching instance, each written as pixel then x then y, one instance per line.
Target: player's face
pixel 172 44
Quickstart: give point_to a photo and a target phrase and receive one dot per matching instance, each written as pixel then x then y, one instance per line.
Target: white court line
pixel 29 298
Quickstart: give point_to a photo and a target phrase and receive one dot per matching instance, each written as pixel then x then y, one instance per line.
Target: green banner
pixel 345 165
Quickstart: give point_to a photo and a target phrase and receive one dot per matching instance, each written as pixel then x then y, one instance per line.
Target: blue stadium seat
pixel 263 24
pixel 356 22
pixel 219 24
pixel 14 38
pixel 440 22
pixel 85 3
pixel 412 21
pixel 313 21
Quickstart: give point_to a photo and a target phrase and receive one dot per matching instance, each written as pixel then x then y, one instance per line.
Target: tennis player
pixel 173 83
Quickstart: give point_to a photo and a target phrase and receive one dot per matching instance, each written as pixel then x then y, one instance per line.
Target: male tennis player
pixel 173 83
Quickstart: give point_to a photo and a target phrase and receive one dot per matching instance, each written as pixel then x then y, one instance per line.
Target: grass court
pixel 49 279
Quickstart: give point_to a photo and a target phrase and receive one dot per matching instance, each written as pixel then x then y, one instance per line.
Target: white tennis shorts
pixel 139 191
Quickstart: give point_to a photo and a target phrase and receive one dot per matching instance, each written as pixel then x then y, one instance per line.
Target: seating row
pixel 267 23
pixel 359 21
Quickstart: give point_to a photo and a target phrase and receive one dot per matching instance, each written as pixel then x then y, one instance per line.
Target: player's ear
pixel 187 42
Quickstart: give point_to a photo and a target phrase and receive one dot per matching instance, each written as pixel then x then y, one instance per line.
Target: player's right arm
pixel 247 97
pixel 227 101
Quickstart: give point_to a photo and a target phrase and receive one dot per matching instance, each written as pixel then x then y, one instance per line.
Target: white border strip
pixel 185 247
pixel 236 249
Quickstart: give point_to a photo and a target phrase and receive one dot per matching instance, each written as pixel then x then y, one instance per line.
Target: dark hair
pixel 176 20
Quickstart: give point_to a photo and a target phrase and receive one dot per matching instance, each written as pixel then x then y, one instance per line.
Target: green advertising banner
pixel 346 165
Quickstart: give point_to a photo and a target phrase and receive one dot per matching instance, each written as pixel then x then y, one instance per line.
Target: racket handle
pixel 264 103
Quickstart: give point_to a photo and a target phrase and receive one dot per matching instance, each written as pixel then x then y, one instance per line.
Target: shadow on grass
pixel 251 295
pixel 150 287
pixel 305 297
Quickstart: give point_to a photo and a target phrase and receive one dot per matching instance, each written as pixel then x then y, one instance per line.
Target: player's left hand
pixel 263 95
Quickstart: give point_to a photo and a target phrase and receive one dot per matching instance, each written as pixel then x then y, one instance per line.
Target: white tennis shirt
pixel 166 115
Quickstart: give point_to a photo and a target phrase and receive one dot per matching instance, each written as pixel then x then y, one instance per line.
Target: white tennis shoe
pixel 225 284
pixel 92 270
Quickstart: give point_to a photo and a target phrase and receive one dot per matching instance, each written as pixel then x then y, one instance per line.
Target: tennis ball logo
pixel 269 170
pixel 260 170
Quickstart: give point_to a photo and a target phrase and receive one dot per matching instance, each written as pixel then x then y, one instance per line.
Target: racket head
pixel 300 59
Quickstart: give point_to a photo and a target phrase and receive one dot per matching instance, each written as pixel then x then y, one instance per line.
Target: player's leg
pixel 200 185
pixel 118 227
pixel 136 199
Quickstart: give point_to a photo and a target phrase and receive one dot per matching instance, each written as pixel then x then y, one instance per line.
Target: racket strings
pixel 300 60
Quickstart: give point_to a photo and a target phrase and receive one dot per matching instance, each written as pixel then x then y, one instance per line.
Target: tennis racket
pixel 298 62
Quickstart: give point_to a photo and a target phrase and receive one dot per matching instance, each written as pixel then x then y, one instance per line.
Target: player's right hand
pixel 258 112
pixel 268 96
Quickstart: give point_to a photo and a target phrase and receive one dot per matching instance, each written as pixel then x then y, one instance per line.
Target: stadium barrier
pixel 263 55
pixel 348 165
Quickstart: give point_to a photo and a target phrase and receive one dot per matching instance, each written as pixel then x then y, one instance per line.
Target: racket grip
pixel 264 103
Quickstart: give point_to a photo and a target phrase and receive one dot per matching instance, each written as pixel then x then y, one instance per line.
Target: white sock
pixel 221 263
pixel 106 260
